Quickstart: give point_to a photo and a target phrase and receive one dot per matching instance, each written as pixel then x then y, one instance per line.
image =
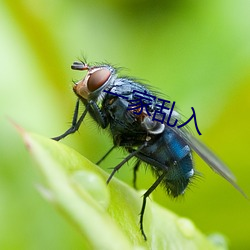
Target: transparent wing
pixel 208 156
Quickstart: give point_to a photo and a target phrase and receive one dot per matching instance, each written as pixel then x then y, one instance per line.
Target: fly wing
pixel 209 157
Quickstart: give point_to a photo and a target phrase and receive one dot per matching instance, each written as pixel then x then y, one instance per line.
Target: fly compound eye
pixel 97 79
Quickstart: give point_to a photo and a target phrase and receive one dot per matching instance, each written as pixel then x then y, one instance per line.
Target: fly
pixel 166 149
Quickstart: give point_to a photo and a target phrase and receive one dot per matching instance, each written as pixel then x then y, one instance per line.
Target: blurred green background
pixel 195 52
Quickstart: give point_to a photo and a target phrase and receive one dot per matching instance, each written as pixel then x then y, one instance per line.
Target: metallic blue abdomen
pixel 168 153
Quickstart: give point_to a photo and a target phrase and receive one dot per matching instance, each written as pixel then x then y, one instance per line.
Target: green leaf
pixel 107 215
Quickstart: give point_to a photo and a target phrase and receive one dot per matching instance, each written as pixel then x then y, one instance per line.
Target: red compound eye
pixel 97 79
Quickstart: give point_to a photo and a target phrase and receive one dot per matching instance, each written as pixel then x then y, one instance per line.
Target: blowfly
pixel 116 103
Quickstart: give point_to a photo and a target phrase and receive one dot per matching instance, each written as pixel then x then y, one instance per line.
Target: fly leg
pixel 125 160
pixel 145 196
pixel 75 124
pixel 94 110
pixel 105 155
pixel 136 167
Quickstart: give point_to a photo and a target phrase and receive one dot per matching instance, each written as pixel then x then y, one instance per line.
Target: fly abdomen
pixel 178 176
pixel 168 154
pixel 180 168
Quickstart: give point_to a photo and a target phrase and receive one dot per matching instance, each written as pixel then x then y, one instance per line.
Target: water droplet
pixel 95 186
pixel 187 227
